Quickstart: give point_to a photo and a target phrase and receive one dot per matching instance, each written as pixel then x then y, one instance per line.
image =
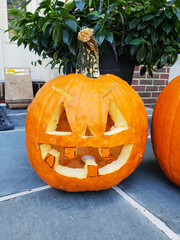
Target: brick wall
pixel 149 87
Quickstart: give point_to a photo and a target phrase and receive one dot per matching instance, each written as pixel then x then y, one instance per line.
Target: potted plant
pixel 139 32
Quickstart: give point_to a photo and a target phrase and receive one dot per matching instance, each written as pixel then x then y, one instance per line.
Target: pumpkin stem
pixel 88 57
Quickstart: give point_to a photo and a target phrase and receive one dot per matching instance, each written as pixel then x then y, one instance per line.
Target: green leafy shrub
pixel 148 32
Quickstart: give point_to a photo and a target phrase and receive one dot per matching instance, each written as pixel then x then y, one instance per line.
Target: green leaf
pixel 143 70
pixel 142 25
pixel 163 59
pixel 100 35
pixel 158 20
pixel 97 27
pixel 93 15
pixel 53 65
pixel 45 26
pixel 134 49
pixel 80 4
pixel 19 42
pixel 71 23
pixel 141 54
pixel 67 15
pixel 134 23
pixel 69 6
pixel 137 41
pixel 177 12
pixel 128 9
pixel 40 62
pixel 25 4
pixel 166 26
pixel 23 29
pixel 90 2
pixel 109 36
pixel 149 56
pixel 154 36
pixel 169 49
pixel 111 7
pixel 169 3
pixel 53 14
pixel 168 12
pixel 44 40
pixel 35 41
pixel 57 34
pixel 150 71
pixel 16 12
pixel 72 50
pixel 177 3
pixel 157 4
pixel 167 41
pixel 147 18
pixel 28 14
pixel 66 36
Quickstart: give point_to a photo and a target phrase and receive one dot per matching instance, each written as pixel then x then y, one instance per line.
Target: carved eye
pixel 115 120
pixel 58 124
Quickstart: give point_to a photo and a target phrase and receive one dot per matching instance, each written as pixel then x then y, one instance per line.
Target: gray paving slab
pixel 53 214
pixel 149 111
pixel 16 173
pixel 18 120
pixel 149 186
pixel 13 111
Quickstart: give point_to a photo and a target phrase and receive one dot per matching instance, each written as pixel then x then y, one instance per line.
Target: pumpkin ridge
pixel 170 139
pixel 165 130
pixel 33 105
pixel 160 114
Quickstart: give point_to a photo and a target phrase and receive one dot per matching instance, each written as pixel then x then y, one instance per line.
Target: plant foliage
pixel 148 32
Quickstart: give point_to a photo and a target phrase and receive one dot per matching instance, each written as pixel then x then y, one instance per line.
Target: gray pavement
pixel 54 214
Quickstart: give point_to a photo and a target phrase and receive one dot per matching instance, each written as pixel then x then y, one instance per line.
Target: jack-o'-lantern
pixel 166 130
pixel 86 133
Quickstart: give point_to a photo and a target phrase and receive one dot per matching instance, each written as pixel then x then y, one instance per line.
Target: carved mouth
pixel 68 161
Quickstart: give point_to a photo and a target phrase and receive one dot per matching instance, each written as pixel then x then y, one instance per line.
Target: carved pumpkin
pixel 166 130
pixel 86 134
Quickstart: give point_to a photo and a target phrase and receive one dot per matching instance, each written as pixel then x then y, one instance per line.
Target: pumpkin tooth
pixel 45 148
pixel 104 152
pixel 90 168
pixel 70 152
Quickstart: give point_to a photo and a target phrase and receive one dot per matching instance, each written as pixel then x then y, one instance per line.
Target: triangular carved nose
pixel 88 132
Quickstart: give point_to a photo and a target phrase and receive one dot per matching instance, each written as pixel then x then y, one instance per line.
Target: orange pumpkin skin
pixel 89 107
pixel 166 130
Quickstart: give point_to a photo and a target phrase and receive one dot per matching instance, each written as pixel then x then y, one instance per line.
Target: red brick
pixel 161 88
pixel 146 82
pixel 135 82
pixel 164 76
pixel 139 88
pixel 149 105
pixel 168 70
pixel 159 82
pixel 138 75
pixel 149 100
pixel 136 68
pixel 152 88
pixel 144 94
pixel 161 69
pixel 155 75
pixel 155 94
